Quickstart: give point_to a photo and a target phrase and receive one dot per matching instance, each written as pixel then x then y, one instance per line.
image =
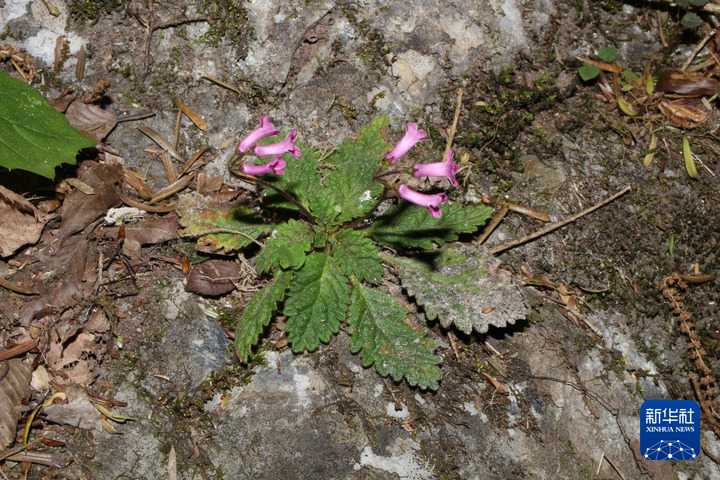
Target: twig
pixel 14 287
pixel 497 218
pixel 694 53
pixel 507 246
pixel 453 128
pixel 18 349
pixel 619 472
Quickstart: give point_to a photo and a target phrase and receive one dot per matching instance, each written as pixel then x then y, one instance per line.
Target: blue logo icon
pixel 670 430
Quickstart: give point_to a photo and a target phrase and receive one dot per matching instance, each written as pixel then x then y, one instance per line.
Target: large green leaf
pixel 35 137
pixel 350 187
pixel 316 303
pixel 219 226
pixel 407 225
pixel 258 313
pixel 357 256
pixel 301 180
pixel 286 246
pixel 378 328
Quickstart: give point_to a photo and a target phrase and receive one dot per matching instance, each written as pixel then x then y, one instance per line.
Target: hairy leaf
pixel 317 302
pixel 378 328
pixel 301 180
pixel 218 225
pixel 462 286
pixel 35 137
pixel 350 187
pixel 286 246
pixel 357 256
pixel 406 225
pixel 259 311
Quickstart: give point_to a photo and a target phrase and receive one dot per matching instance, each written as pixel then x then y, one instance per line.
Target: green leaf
pixel 691 20
pixel 286 246
pixel 682 3
pixel 35 137
pixel 316 303
pixel 588 71
pixel 407 225
pixel 301 180
pixel 607 54
pixel 698 3
pixel 357 256
pixel 455 285
pixel 259 311
pixel 350 187
pixel 378 328
pixel 218 226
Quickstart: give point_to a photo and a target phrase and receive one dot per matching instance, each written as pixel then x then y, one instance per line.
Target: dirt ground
pixel 624 299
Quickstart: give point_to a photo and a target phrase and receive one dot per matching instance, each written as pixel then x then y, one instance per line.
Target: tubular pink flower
pixel 447 169
pixel 431 202
pixel 411 137
pixel 286 145
pixel 274 166
pixel 266 129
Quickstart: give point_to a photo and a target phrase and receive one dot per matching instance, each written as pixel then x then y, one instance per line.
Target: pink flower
pixel 286 145
pixel 274 166
pixel 411 137
pixel 431 202
pixel 448 169
pixel 266 129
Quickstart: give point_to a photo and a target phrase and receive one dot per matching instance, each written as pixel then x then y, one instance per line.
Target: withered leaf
pixel 27 222
pixel 77 360
pixel 79 210
pixel 214 277
pixel 685 116
pixel 686 83
pixel 151 232
pixel 14 390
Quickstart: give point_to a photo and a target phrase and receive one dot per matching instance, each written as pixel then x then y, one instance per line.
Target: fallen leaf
pixel 77 360
pixel 91 119
pixel 213 277
pixel 27 222
pixel 80 210
pixel 685 116
pixel 79 412
pixel 686 83
pixel 151 232
pixel 14 390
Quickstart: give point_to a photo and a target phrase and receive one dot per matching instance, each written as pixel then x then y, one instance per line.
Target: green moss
pixel 230 22
pixel 90 11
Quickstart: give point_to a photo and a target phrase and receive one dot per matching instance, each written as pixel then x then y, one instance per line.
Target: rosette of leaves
pixel 324 261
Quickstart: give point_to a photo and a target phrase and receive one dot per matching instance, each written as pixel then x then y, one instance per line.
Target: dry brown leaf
pixel 14 390
pixel 684 116
pixel 27 222
pixel 686 83
pixel 91 119
pixel 151 232
pixel 214 277
pixel 77 360
pixel 79 210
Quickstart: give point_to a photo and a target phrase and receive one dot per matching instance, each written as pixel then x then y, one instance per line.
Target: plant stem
pixel 255 180
pixel 358 221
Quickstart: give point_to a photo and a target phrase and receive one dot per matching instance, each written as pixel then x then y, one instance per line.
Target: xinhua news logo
pixel 670 429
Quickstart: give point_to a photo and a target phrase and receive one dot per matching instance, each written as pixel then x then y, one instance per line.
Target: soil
pixel 556 395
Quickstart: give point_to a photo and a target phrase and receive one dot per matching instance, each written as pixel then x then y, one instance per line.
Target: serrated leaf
pixel 691 20
pixel 316 303
pixel 286 246
pixel 454 284
pixel 588 71
pixel 218 226
pixel 406 225
pixel 350 187
pixel 35 137
pixel 259 311
pixel 378 330
pixel 357 256
pixel 607 54
pixel 301 180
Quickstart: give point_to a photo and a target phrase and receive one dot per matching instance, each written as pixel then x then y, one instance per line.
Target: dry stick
pixel 492 225
pixel 453 128
pixel 18 349
pixel 507 246
pixel 694 53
